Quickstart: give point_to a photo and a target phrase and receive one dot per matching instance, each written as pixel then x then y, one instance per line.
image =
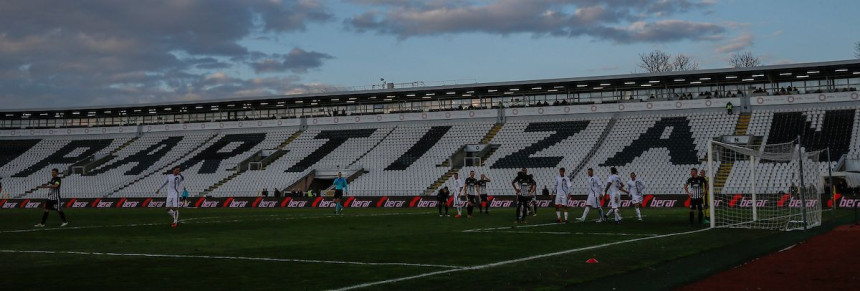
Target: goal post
pixel 774 186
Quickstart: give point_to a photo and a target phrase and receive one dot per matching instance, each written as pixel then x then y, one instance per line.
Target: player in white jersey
pixel 459 192
pixel 562 194
pixel 635 188
pixel 594 187
pixel 174 185
pixel 614 188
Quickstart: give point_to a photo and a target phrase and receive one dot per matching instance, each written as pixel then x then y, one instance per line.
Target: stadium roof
pixel 663 80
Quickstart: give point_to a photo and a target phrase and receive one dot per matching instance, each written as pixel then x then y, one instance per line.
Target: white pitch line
pixel 569 233
pixel 508 227
pixel 228 258
pixel 480 267
pixel 185 221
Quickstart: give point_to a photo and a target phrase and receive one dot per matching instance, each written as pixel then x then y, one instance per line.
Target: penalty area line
pixel 496 264
pixel 228 258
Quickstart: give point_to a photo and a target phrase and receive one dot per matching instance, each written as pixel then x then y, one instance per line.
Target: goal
pixel 774 187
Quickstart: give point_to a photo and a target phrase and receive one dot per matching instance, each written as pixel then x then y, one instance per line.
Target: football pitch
pixel 369 249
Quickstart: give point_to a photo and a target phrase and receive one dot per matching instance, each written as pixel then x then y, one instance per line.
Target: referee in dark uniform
pixel 53 202
pixel 695 188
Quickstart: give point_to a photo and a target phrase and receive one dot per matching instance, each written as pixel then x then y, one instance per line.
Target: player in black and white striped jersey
pixel 53 202
pixel 695 188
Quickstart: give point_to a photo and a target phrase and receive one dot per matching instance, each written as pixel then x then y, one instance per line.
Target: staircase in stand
pixel 487 139
pixel 441 180
pixel 290 139
pixel 722 174
pixel 113 152
pixel 212 188
pixel 594 149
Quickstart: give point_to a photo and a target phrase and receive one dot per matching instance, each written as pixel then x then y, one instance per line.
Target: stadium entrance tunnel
pixel 321 181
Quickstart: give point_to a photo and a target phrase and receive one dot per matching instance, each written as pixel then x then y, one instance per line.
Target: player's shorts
pixel 696 202
pixel 338 193
pixel 561 200
pixel 442 199
pixel 636 199
pixel 525 200
pixel 592 201
pixel 172 201
pixel 52 204
pixel 614 200
pixel 485 198
pixel 473 198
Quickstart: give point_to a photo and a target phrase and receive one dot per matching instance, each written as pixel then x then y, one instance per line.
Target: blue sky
pixel 101 52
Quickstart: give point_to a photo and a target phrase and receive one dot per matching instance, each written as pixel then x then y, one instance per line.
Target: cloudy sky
pixel 106 52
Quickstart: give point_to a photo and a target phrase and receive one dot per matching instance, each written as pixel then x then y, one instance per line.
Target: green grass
pixel 403 236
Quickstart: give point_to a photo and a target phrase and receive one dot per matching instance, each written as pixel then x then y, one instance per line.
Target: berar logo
pixel 104 204
pixel 748 202
pixel 426 203
pixel 238 204
pixel 326 204
pixel 797 203
pixel 130 204
pixel 360 203
pixel 662 203
pixel 543 203
pixel 296 204
pixel 155 204
pixel 393 204
pixel 267 204
pixel 209 204
pixel 576 203
pixel 848 202
pixel 32 204
pixel 501 203
pixel 15 205
pixel 79 204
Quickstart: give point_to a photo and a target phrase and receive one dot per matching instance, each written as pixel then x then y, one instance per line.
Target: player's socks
pixel 176 216
pixel 44 217
pixel 62 217
pixel 558 214
pixel 600 212
pixel 700 217
pixel 170 212
pixel 584 213
pixel 638 213
pixel 565 216
pixel 617 215
pixel 691 217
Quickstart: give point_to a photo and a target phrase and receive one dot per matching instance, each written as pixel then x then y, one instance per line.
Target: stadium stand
pixel 405 158
pixel 386 153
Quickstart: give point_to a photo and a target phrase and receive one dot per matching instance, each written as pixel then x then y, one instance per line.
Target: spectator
pixel 729 108
pixel 277 193
pixel 545 191
pixel 265 192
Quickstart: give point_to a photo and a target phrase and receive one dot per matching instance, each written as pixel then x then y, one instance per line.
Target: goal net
pixel 774 187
